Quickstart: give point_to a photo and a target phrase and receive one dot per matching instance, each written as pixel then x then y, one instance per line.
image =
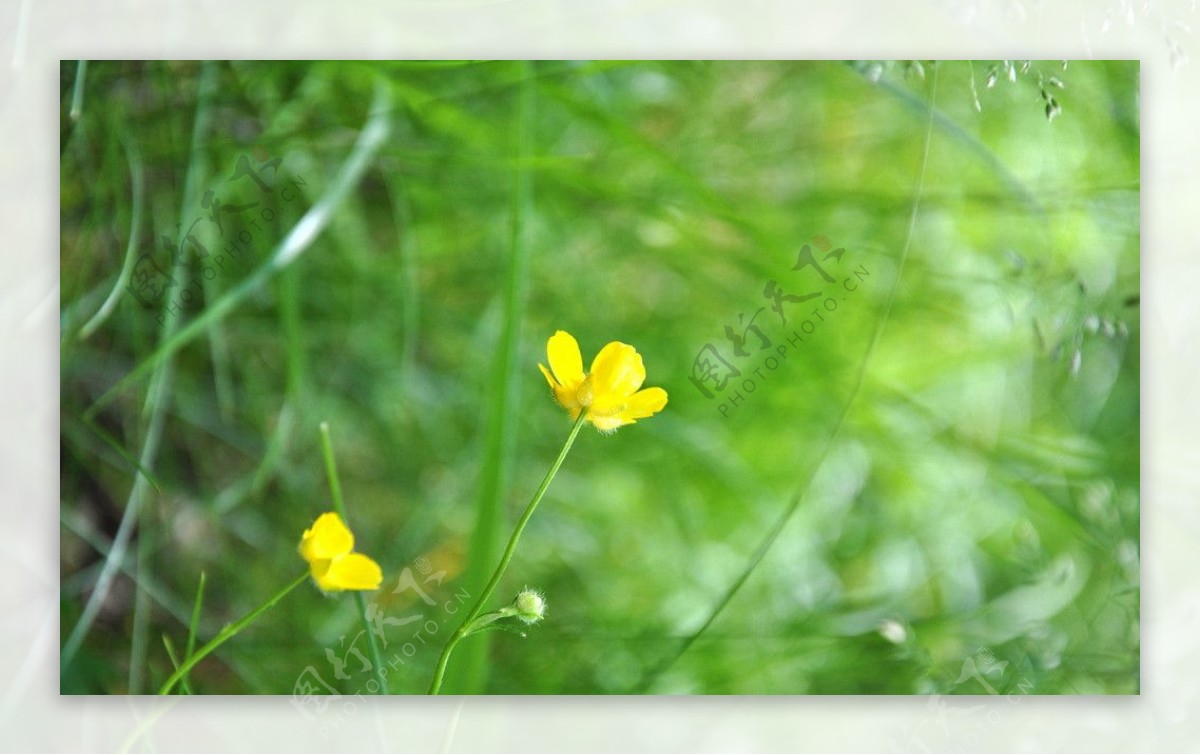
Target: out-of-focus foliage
pixel 959 432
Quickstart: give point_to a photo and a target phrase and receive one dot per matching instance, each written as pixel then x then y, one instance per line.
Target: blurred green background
pixel 945 469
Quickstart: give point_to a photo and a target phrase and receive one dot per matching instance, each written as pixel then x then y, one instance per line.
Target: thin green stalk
pixel 228 633
pixel 289 415
pixel 496 471
pixel 76 584
pixel 77 92
pixel 219 349
pixel 126 456
pixel 335 483
pixel 194 625
pixel 464 629
pixel 140 634
pixel 157 399
pixel 335 488
pixel 410 296
pixel 170 647
pixel 136 178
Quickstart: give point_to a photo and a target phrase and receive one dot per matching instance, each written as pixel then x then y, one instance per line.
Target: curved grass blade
pixel 136 177
pixel 298 240
pixel 793 505
pixel 158 397
pixel 1009 179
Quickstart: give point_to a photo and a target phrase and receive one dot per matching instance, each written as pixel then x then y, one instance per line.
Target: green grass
pixel 955 449
pixel 496 471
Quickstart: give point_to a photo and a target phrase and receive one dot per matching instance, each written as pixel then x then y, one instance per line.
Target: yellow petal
pixel 351 572
pixel 328 538
pixel 644 404
pixel 318 567
pixel 617 372
pixel 563 352
pixel 566 397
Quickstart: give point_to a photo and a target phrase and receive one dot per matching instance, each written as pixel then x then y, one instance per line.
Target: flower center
pixel 584 394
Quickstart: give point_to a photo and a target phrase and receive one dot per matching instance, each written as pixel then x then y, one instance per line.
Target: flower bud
pixel 893 631
pixel 530 605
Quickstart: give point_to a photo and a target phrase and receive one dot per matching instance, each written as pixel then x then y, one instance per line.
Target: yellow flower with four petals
pixel 328 547
pixel 608 392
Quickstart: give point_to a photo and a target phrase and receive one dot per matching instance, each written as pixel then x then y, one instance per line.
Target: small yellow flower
pixel 328 547
pixel 609 391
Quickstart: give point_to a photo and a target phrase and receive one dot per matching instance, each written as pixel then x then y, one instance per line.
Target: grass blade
pixel 194 626
pixel 77 91
pixel 470 675
pixel 298 240
pixel 137 178
pixel 157 398
pixel 335 488
pixel 170 646
pixel 776 529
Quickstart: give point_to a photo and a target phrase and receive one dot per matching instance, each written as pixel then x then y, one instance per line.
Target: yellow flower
pixel 609 391
pixel 328 548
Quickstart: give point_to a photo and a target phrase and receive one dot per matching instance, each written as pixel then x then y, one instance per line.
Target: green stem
pixel 194 624
pixel 335 485
pixel 496 468
pixel 170 647
pixel 335 488
pixel 464 629
pixel 77 93
pixel 227 633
